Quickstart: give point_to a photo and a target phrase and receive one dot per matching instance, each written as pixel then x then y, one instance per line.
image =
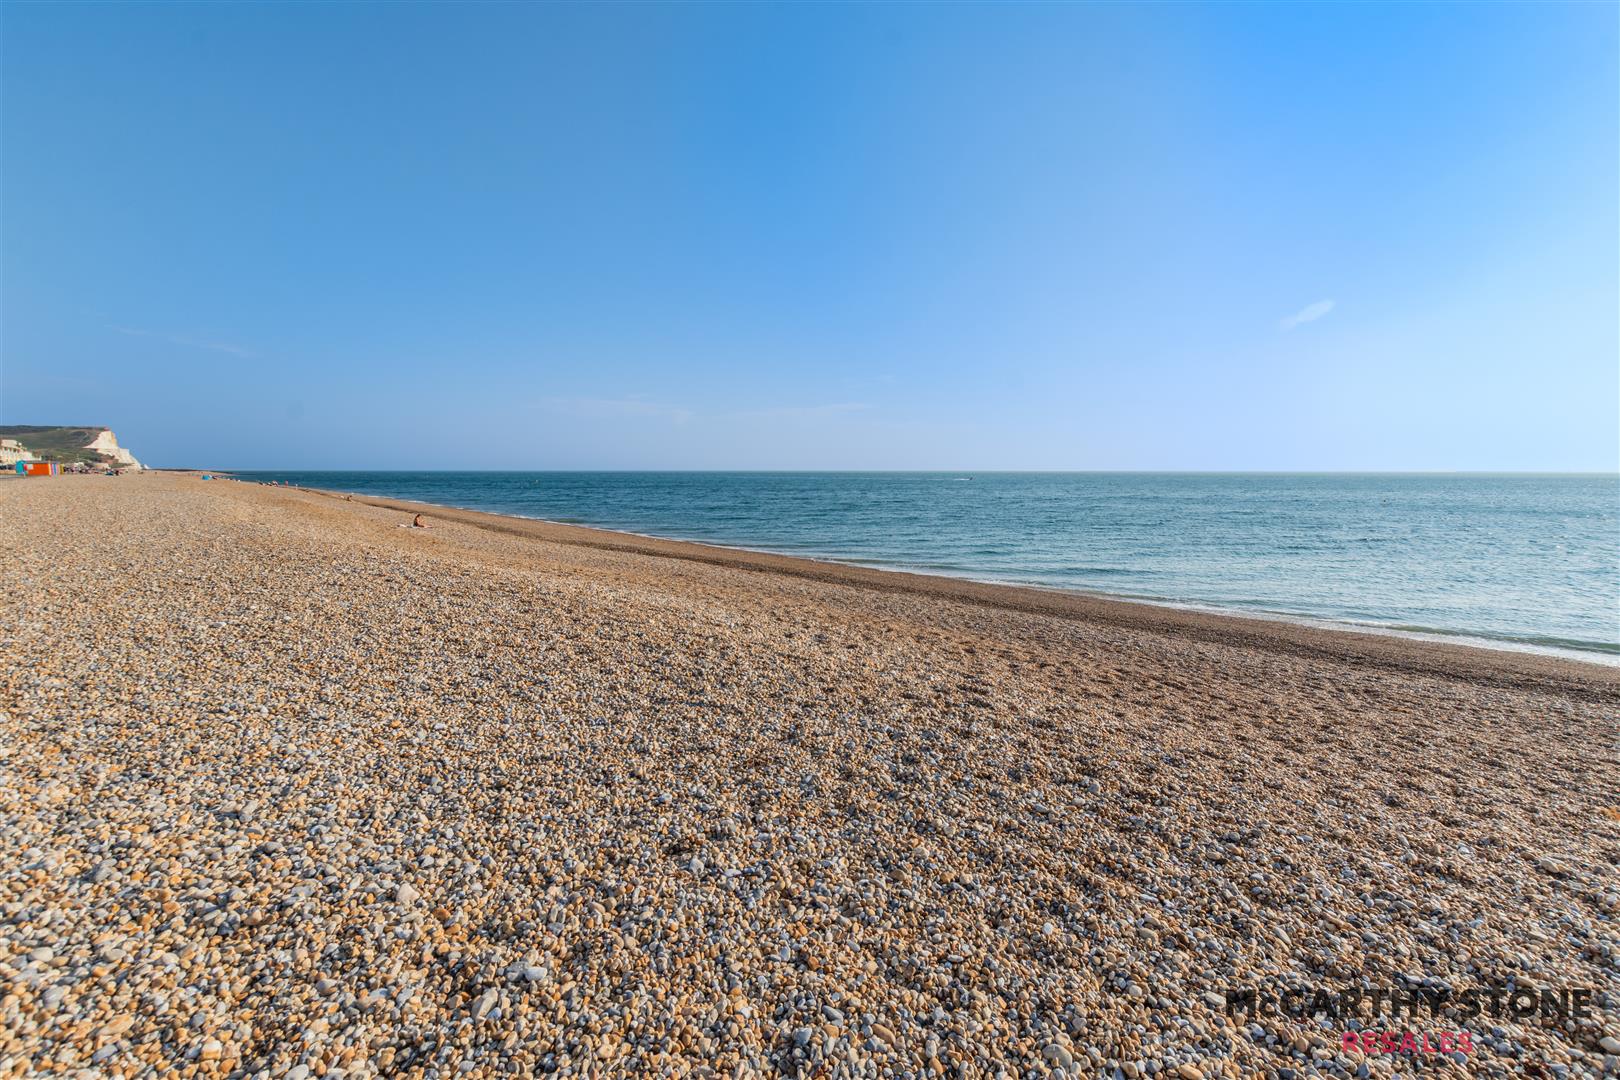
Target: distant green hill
pixel 64 444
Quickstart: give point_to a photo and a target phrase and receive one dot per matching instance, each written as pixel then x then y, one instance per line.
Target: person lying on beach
pixel 417 523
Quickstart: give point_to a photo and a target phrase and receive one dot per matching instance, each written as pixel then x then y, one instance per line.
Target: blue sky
pixel 1263 236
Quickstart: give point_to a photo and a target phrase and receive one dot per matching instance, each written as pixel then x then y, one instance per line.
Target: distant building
pixel 11 452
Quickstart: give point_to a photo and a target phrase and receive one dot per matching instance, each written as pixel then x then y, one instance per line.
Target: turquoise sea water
pixel 1522 560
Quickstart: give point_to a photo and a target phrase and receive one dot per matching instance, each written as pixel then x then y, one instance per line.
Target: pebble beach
pixel 290 789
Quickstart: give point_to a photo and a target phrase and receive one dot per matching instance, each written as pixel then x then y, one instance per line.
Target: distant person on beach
pixel 417 523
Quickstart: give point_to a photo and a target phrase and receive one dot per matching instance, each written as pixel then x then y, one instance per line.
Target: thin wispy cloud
pixel 804 412
pixel 608 408
pixel 1309 313
pixel 190 341
pixel 604 408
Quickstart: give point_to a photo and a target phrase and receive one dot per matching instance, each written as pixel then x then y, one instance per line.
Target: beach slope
pixel 287 788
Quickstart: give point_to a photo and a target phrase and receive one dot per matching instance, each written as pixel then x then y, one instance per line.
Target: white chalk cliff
pixel 106 442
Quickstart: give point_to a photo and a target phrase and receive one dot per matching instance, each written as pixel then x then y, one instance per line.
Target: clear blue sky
pixel 1263 236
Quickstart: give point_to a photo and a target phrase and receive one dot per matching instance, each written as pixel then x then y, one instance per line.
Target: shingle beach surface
pixel 287 790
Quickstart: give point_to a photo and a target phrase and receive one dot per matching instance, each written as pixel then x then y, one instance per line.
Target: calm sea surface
pixel 1531 561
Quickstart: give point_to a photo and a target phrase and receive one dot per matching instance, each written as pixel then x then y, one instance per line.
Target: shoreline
pixel 1600 654
pixel 1474 658
pixel 1461 639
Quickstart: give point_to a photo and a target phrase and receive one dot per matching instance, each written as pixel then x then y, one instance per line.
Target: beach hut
pixel 38 468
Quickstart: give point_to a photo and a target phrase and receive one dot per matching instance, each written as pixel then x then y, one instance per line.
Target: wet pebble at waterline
pixel 288 791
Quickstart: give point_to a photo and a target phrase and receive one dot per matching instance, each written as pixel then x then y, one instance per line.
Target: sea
pixel 1514 561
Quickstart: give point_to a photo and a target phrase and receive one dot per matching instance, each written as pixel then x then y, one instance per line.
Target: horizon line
pixel 990 472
